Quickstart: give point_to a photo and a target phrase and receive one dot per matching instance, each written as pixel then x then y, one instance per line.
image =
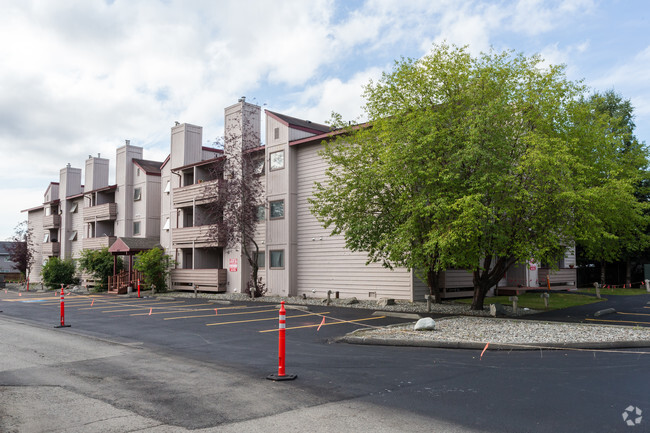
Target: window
pixel 46 238
pixel 261 213
pixel 258 166
pixel 276 133
pixel 137 194
pixel 48 211
pixel 73 208
pixel 277 259
pixel 277 160
pixel 137 172
pixel 277 209
pixel 166 226
pixel 73 236
pixel 261 259
pixel 136 228
pixel 168 187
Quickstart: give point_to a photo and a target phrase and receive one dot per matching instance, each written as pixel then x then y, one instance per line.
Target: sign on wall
pixel 232 265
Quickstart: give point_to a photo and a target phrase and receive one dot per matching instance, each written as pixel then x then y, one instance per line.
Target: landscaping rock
pixel 351 301
pixel 497 309
pixel 425 324
pixel 384 302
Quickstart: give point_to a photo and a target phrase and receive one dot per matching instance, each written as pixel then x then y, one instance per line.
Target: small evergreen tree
pixel 154 265
pixel 56 272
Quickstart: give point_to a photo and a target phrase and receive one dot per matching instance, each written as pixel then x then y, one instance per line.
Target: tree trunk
pixel 602 273
pixel 480 290
pixel 628 272
pixel 433 281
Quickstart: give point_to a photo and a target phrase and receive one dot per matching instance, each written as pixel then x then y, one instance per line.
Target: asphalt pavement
pixel 461 390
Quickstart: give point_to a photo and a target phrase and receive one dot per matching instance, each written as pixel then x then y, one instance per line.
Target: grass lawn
pixel 621 292
pixel 556 301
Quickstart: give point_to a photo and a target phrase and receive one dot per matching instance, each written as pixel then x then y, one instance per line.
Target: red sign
pixel 232 265
pixel 533 268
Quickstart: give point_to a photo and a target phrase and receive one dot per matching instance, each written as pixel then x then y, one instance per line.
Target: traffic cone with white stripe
pixel 281 348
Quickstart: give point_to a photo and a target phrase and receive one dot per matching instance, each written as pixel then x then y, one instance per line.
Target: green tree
pixel 627 235
pixel 99 263
pixel 154 265
pixel 56 272
pixel 471 162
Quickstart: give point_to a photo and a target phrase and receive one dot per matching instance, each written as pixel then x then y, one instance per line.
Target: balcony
pixel 102 212
pixel 98 243
pixel 52 221
pixel 199 193
pixel 51 248
pixel 192 236
pixel 206 280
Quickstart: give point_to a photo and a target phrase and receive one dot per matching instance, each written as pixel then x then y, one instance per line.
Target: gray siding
pixel 323 262
pixel 35 223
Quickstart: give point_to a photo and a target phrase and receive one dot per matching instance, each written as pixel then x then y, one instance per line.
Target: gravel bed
pixel 508 331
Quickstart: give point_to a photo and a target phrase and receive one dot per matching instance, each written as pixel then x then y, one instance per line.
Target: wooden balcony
pixel 102 212
pixel 98 243
pixel 566 276
pixel 52 221
pixel 51 248
pixel 186 237
pixel 199 193
pixel 206 280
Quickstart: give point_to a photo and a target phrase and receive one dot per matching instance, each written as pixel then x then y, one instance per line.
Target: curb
pixel 603 312
pixel 397 314
pixel 493 346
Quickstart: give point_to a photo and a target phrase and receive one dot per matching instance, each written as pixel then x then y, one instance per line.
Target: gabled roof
pixel 133 245
pixel 327 135
pixel 149 167
pixel 300 124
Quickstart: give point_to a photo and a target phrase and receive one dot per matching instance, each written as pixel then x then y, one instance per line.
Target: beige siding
pixel 76 224
pixel 420 288
pixel 323 262
pixel 296 134
pixel 34 222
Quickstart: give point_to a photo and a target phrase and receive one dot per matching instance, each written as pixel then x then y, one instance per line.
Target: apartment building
pixel 76 216
pixel 167 203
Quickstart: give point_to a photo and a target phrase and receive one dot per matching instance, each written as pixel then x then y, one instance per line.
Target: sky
pixel 80 77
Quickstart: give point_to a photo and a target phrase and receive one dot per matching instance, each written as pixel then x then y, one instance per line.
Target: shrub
pixel 154 265
pixel 56 272
pixel 99 263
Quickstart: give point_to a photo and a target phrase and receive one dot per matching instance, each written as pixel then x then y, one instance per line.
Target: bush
pixel 99 263
pixel 56 272
pixel 154 265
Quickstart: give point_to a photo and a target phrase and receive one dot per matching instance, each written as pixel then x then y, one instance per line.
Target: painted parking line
pixel 190 310
pixel 225 314
pixel 129 307
pixel 338 322
pixel 260 320
pixel 633 314
pixel 619 321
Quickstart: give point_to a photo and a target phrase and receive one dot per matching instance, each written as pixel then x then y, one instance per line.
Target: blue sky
pixel 80 77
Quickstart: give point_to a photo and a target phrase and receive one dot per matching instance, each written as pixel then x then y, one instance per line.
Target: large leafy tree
pixel 471 162
pixel 627 235
pixel 155 266
pixel 21 252
pixel 57 272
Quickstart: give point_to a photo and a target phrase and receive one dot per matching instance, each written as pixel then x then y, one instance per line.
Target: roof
pixel 199 163
pixel 327 135
pixel 104 188
pixel 133 245
pixel 4 247
pixel 303 125
pixel 149 167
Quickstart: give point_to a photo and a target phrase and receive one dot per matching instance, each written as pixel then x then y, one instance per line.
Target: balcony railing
pixel 199 193
pixel 98 243
pixel 51 248
pixel 192 236
pixel 52 221
pixel 102 212
pixel 208 280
